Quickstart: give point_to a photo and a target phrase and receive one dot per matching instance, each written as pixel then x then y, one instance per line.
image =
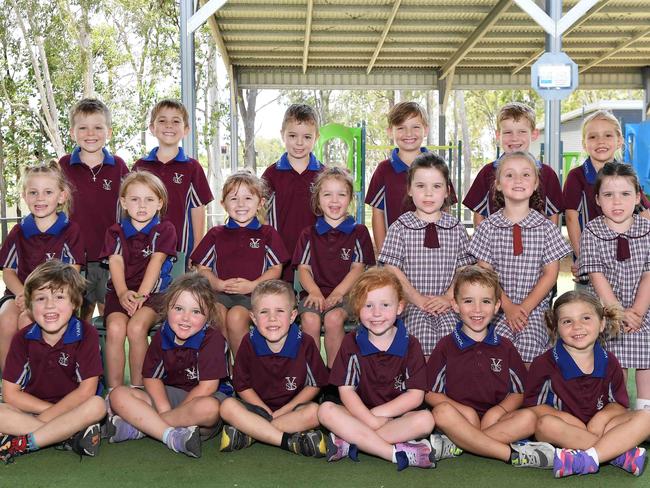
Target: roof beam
pixel 476 36
pixel 218 38
pixel 203 14
pixel 619 47
pixel 305 52
pixel 590 13
pixel 389 22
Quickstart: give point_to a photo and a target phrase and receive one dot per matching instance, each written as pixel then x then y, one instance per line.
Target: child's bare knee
pixel 546 424
pixel 96 407
pixel 442 412
pixel 326 411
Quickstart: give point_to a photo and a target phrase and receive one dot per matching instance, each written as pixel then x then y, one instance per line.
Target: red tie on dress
pixel 622 248
pixel 431 237
pixel 517 243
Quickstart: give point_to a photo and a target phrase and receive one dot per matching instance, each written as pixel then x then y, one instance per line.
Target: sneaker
pixel 233 439
pixel 12 446
pixel 310 443
pixel 119 430
pixel 569 461
pixel 632 461
pixel 443 448
pixel 337 449
pixel 413 453
pixel 526 454
pixel 86 442
pixel 185 440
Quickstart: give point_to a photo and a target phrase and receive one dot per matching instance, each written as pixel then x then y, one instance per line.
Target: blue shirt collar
pixel 73 332
pixel 463 341
pixel 497 162
pixel 399 346
pixel 347 226
pixel 168 338
pixel 253 224
pixel 283 163
pixel 180 157
pixel 30 229
pixel 589 171
pixel 130 230
pixel 75 157
pixel 570 369
pixel 289 350
pixel 398 165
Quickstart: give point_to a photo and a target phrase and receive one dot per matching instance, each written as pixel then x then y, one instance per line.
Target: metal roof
pixel 414 43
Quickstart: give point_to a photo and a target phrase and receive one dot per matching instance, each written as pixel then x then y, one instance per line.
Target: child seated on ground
pixel 183 369
pixel 278 373
pixel 476 380
pixel 381 376
pixel 52 372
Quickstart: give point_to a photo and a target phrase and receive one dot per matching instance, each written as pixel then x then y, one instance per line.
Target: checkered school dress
pixel 598 246
pixel 430 270
pixel 542 244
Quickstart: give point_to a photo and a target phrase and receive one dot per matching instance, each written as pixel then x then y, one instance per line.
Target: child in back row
pixel 95 175
pixel 45 234
pixel 424 248
pixel 330 256
pixel 515 132
pixel 278 373
pixel 407 127
pixel 139 251
pixel 235 257
pixel 51 377
pixel 476 383
pixel 184 371
pixel 291 179
pixel 602 138
pixel 184 178
pixel 578 392
pixel 615 254
pixel 525 249
pixel 381 376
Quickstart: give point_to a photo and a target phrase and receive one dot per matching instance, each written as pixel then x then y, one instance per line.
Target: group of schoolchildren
pixel 457 345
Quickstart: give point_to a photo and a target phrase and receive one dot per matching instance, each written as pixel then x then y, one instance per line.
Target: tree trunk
pixel 431 104
pixel 215 175
pixel 3 186
pixel 86 52
pixel 467 153
pixel 247 111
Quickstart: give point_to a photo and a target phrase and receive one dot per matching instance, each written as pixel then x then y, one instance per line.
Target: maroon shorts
pixel 113 304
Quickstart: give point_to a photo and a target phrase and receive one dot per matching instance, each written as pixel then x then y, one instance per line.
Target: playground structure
pixel 637 151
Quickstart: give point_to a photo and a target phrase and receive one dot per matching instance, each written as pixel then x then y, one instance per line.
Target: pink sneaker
pixel 413 453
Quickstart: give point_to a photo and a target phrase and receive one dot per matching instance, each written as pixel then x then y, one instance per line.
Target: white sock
pixel 593 454
pixel 394 458
pixel 642 404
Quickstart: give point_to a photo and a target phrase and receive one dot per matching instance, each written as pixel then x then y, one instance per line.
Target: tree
pixel 246 102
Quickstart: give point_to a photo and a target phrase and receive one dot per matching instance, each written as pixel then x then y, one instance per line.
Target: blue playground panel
pixel 637 151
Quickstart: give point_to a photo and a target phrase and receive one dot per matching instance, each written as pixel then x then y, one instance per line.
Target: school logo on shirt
pixel 291 383
pixel 599 403
pixel 49 256
pixel 178 178
pixel 63 359
pixel 147 251
pixel 496 365
pixel 255 243
pixel 192 373
pixel 345 254
pixel 107 185
pixel 398 383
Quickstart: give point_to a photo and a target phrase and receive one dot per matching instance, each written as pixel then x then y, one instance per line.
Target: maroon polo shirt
pixel 95 196
pixel 379 376
pixel 387 190
pixel 201 358
pixel 26 247
pixel 51 372
pixel 187 188
pixel 331 251
pixel 278 377
pixel 477 374
pixel 554 379
pixel 579 193
pixel 289 205
pixel 480 196
pixel 231 251
pixel 137 247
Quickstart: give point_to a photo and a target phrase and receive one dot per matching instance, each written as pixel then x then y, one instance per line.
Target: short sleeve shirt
pixel 379 376
pixel 555 379
pixel 480 196
pixel 95 196
pixel 51 372
pixel 330 252
pixel 202 357
pixel 187 188
pixel 26 246
pixel 137 247
pixel 231 251
pixel 477 374
pixel 278 377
